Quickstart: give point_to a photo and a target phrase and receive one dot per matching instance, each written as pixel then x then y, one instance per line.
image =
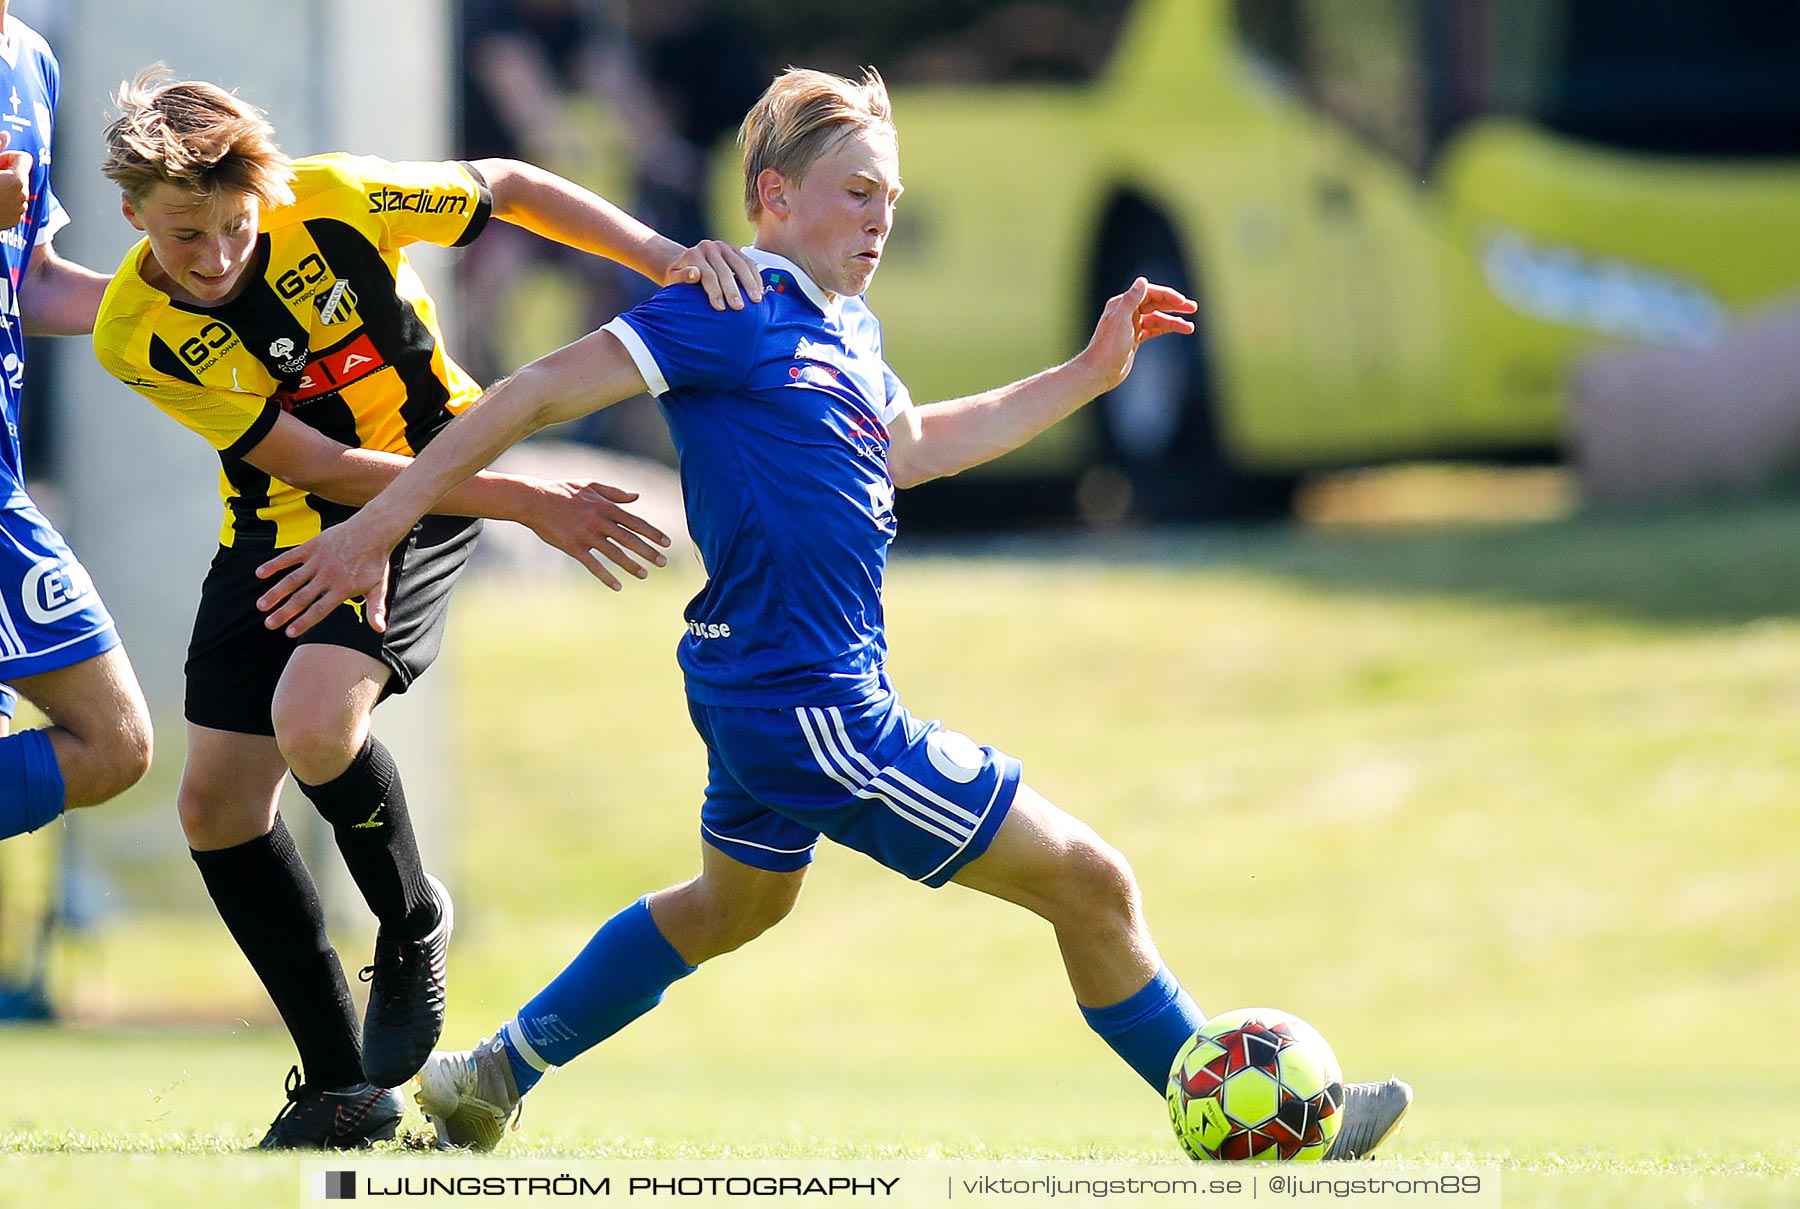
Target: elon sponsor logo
pixel 54 589
pixel 332 371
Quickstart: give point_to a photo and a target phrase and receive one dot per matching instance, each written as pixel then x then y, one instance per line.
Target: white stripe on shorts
pixel 992 798
pixel 837 722
pixel 896 797
pixel 730 839
pixel 900 778
pixel 838 759
pixel 827 761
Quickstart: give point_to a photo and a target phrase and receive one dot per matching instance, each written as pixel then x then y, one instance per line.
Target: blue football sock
pixel 1149 1028
pixel 619 976
pixel 31 783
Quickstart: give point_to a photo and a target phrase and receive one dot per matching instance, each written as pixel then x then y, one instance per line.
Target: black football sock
pixel 271 907
pixel 366 807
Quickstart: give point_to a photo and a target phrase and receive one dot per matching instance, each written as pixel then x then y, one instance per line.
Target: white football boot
pixel 1373 1113
pixel 470 1095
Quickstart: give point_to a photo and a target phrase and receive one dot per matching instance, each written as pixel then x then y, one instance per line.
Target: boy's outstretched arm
pixel 944 438
pixel 351 559
pixel 546 204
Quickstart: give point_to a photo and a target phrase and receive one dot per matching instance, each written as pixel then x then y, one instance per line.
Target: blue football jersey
pixel 779 414
pixel 29 83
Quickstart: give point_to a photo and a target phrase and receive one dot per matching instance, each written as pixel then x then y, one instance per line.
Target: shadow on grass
pixel 1718 564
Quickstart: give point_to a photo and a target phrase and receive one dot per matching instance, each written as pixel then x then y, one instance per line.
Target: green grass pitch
pixel 1506 810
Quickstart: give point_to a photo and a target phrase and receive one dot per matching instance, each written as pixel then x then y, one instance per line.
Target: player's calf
pixel 725 908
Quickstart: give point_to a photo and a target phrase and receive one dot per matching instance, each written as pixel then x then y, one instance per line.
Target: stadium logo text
pixel 419 201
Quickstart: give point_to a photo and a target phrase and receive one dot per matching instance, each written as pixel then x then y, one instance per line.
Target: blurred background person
pixel 637 91
pixel 680 77
pixel 526 66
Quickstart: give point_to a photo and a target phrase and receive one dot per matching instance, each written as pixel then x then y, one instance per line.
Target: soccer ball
pixel 1256 1084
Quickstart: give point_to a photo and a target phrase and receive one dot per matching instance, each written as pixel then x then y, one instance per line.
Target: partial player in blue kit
pixel 58 645
pixel 793 434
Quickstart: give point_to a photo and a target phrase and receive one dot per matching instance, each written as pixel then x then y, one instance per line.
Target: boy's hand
pixel 15 183
pixel 719 268
pixel 584 520
pixel 1143 312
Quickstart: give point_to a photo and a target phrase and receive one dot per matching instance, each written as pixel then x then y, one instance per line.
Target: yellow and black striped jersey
pixel 334 327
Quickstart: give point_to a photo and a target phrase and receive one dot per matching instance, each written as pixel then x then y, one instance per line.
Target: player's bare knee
pixel 135 747
pixel 127 757
pixel 108 759
pixel 315 740
pixel 1098 888
pixel 208 820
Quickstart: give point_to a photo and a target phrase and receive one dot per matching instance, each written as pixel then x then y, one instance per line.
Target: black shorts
pixel 235 661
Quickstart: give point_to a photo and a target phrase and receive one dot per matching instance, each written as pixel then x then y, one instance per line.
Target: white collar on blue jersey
pixel 830 304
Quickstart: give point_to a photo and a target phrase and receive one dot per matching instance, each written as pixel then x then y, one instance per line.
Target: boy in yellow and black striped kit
pixel 271 309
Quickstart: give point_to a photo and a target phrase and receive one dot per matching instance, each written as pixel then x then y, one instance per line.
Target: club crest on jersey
pixel 335 304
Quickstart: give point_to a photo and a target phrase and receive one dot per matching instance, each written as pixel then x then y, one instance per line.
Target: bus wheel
pixel 1162 457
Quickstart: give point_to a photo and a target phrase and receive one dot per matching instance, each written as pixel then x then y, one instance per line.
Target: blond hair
pixel 195 136
pixel 801 114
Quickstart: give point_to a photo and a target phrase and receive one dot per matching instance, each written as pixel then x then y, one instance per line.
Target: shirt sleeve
pixel 232 422
pixel 52 216
pixel 678 342
pixel 55 217
pixel 424 201
pixel 898 397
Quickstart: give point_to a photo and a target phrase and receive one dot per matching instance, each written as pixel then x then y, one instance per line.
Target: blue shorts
pixel 50 615
pixel 922 800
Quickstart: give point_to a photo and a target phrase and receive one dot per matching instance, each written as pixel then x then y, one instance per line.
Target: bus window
pixel 1359 63
pixel 1362 64
pixel 1683 77
pixel 1270 31
pixel 943 41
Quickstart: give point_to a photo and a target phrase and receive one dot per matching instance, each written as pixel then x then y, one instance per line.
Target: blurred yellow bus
pixel 1404 219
